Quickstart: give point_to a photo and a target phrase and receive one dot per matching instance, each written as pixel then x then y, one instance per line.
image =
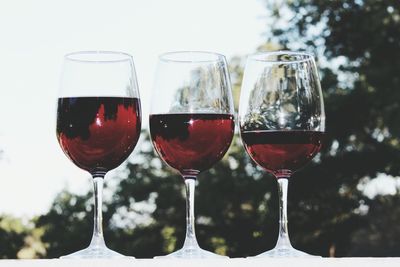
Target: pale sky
pixel 34 36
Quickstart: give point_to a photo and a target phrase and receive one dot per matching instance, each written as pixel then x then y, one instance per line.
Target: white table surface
pixel 325 262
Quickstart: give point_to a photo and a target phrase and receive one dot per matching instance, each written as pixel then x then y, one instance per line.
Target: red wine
pixel 282 150
pixel 98 133
pixel 191 142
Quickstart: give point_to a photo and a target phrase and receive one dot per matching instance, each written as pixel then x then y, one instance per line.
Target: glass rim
pixel 98 56
pixel 212 57
pixel 263 56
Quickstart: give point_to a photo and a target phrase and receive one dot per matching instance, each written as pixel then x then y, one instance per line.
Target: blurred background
pixel 345 203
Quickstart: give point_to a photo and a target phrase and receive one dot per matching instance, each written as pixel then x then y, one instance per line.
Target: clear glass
pixel 282 122
pixel 98 95
pixel 191 124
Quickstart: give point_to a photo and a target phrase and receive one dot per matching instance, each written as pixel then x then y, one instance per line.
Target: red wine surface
pixel 191 141
pixel 282 150
pixel 98 133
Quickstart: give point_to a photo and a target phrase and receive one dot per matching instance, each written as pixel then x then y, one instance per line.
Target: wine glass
pixel 282 123
pixel 191 123
pixel 98 123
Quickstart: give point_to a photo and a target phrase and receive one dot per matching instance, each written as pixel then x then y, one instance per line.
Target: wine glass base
pixel 285 252
pixel 94 253
pixel 192 253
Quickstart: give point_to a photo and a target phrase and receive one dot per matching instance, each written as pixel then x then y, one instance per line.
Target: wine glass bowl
pixel 196 141
pixel 191 123
pixel 282 122
pixel 98 123
pixel 282 151
pixel 98 133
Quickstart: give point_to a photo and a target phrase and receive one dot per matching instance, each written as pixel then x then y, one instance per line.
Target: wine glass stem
pixel 283 238
pixel 190 239
pixel 97 238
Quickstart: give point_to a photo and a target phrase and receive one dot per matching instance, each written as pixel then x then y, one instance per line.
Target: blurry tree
pixel 11 237
pixel 357 44
pixel 17 238
pixel 380 237
pixel 67 226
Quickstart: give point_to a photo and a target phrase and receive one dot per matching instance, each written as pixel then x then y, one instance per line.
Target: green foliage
pixel 11 237
pixel 16 239
pixel 379 238
pixel 67 225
